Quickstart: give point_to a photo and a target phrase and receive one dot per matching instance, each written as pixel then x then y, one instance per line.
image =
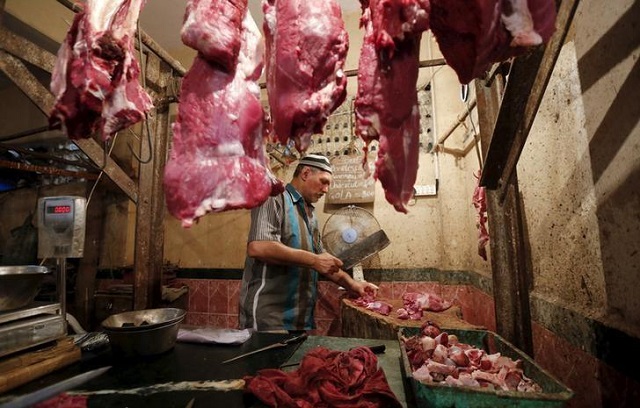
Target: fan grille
pixel 348 227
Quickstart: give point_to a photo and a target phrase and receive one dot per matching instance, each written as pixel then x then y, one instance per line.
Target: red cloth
pixel 326 378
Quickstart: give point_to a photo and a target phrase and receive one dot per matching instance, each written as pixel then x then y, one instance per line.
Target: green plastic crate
pixel 554 393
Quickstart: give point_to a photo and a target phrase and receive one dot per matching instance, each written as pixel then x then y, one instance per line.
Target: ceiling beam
pixel 526 86
pixel 54 171
pixel 15 70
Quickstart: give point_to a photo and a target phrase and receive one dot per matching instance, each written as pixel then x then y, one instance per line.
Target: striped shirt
pixel 277 297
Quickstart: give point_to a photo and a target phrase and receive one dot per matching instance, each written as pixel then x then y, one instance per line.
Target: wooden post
pixel 149 243
pixel 506 237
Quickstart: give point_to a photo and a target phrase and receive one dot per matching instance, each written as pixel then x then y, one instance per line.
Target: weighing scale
pixel 61 234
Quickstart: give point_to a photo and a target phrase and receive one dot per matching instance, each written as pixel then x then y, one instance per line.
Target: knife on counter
pixel 50 391
pixel 283 343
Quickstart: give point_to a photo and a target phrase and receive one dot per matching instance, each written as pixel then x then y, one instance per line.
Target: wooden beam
pixel 15 70
pixel 527 83
pixel 26 50
pixel 149 242
pixel 54 171
pixel 506 237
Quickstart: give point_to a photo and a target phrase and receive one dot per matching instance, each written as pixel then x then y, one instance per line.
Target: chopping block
pixel 25 367
pixel 360 322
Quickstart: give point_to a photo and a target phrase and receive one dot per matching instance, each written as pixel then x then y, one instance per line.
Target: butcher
pixel 285 256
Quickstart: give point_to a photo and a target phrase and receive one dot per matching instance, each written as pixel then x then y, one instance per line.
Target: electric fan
pixel 353 234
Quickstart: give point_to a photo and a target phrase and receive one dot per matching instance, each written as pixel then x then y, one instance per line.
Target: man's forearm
pixel 343 279
pixel 277 253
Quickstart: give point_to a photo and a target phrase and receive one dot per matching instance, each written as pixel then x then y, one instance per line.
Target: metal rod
pixel 461 117
pixel 62 290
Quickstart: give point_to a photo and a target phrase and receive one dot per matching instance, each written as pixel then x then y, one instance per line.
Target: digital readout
pixel 59 209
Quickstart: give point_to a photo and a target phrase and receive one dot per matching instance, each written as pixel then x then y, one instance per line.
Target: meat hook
pixel 148 137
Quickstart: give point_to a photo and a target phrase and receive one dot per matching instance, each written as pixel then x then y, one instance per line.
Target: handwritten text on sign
pixel 350 185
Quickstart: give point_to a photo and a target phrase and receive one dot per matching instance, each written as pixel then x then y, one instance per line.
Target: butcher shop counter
pixel 195 372
pixel 360 322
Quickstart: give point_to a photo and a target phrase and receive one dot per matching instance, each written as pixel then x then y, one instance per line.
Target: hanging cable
pixel 104 164
pixel 143 75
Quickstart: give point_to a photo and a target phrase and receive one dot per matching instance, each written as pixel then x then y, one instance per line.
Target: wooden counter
pixel 362 323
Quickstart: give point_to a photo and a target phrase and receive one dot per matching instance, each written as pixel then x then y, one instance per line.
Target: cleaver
pixel 369 246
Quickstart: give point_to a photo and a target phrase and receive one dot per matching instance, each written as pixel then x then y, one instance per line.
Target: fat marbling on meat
pixel 95 78
pixel 214 28
pixel 217 160
pixel 306 50
pixel 386 104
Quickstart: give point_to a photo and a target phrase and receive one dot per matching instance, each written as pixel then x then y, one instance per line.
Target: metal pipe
pixel 146 40
pixel 461 117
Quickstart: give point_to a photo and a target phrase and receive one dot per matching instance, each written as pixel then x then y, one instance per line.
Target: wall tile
pixel 234 296
pixel 199 296
pixel 218 296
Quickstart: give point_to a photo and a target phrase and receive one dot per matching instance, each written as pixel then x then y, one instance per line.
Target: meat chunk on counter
pixel 218 160
pixel 386 104
pixel 306 50
pixel 95 78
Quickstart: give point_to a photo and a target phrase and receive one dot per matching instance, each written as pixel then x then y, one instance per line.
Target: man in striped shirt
pixel 285 255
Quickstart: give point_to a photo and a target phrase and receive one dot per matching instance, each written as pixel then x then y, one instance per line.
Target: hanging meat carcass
pixel 217 160
pixel 95 78
pixel 214 28
pixel 473 34
pixel 306 50
pixel 386 104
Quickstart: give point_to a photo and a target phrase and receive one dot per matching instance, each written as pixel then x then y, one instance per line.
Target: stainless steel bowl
pixel 145 319
pixel 143 332
pixel 143 342
pixel 19 285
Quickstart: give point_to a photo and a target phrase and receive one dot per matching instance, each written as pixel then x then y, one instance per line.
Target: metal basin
pixel 143 332
pixel 19 285
pixel 143 319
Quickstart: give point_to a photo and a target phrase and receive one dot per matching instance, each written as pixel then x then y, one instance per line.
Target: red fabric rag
pixel 326 378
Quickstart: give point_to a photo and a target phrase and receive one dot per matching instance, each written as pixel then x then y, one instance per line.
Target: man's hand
pixel 326 264
pixel 362 288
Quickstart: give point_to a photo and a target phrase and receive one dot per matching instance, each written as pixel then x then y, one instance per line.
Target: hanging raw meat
pixel 306 50
pixel 217 159
pixel 213 27
pixel 473 34
pixel 386 104
pixel 95 78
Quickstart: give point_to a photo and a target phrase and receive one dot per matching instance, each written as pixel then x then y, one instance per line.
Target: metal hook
pixel 105 155
pixel 148 132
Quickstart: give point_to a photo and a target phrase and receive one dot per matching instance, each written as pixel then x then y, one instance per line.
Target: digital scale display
pixel 59 209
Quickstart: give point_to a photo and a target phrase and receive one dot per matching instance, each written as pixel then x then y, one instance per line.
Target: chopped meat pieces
pixel 95 78
pixel 460 364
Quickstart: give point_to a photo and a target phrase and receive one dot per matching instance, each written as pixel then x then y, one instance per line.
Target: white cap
pixel 317 161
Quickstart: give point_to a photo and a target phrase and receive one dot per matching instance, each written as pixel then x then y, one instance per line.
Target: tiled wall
pixel 214 302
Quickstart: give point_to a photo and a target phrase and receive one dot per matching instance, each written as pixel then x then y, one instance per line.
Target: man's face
pixel 317 184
